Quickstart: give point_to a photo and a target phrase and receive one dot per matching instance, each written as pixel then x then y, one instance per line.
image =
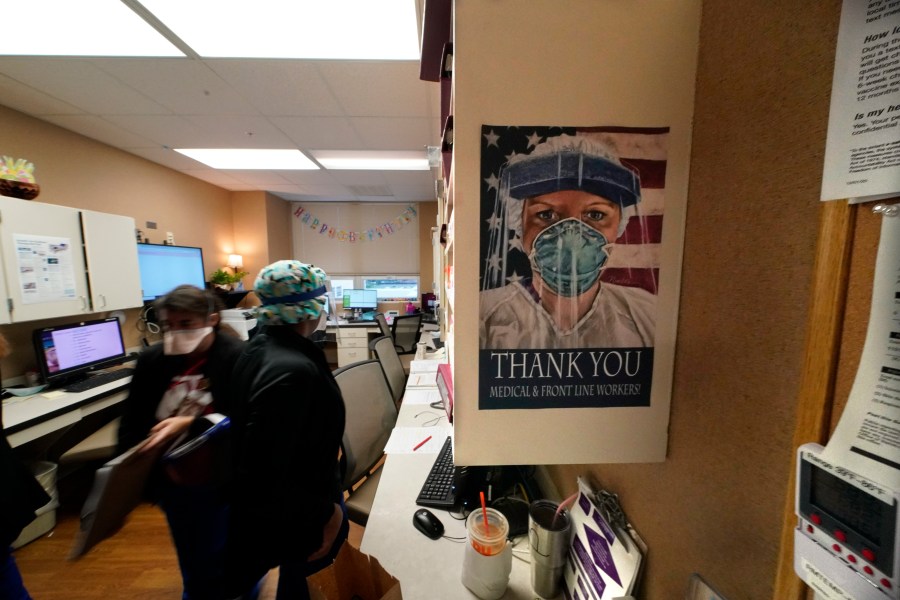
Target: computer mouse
pixel 427 523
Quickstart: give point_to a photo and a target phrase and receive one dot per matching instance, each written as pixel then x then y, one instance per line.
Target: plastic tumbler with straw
pixel 488 557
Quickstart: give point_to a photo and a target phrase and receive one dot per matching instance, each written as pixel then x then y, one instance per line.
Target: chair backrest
pixel 384 350
pixel 371 415
pixel 405 332
pixel 383 324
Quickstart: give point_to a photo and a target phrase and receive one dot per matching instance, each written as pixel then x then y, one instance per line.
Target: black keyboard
pixel 99 379
pixel 440 487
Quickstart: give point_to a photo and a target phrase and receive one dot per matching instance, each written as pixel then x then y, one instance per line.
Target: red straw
pixel 484 512
pixel 561 506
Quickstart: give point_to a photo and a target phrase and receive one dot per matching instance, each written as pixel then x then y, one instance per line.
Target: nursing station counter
pixel 846 544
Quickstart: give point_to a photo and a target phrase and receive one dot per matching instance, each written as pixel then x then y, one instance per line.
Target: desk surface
pixel 30 417
pixel 420 564
pixel 342 324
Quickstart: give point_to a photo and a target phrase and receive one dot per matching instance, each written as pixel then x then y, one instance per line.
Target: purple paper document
pixel 605 559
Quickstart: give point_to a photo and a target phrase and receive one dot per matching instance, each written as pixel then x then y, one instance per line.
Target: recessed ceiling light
pixel 83 28
pixel 250 159
pixel 328 29
pixel 371 160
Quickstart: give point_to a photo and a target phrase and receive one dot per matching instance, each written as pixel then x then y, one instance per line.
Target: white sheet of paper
pixel 422 396
pixel 421 380
pixel 424 366
pixel 862 126
pixel 404 439
pixel 864 440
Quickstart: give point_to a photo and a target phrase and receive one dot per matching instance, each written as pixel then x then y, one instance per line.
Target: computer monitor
pixel 428 302
pixel 69 352
pixel 360 299
pixel 163 268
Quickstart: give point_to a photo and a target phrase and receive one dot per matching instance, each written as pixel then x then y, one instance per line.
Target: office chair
pixel 405 332
pixel 384 350
pixel 371 416
pixel 383 325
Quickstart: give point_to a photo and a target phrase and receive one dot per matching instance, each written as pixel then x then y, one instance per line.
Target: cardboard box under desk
pixel 354 575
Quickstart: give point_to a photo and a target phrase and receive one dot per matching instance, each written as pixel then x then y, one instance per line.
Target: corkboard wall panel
pixel 715 506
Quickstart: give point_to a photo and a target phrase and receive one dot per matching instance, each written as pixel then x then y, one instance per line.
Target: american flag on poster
pixel 635 261
pixel 535 356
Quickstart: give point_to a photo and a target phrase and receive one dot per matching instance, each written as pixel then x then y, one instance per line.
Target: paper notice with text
pixel 46 272
pixel 867 438
pixel 862 152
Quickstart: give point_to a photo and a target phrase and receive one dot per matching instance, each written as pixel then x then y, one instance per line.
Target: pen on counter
pixel 422 443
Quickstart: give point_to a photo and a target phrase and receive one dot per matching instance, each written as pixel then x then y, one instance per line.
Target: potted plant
pixel 224 280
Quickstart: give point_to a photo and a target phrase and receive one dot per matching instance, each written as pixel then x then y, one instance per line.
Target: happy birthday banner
pixel 372 234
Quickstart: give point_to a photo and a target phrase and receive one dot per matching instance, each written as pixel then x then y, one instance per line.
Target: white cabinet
pixel 45 275
pixel 112 260
pixel 353 345
pixel 43 261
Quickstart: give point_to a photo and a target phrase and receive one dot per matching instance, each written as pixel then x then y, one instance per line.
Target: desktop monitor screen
pixel 165 267
pixel 363 299
pixel 428 302
pixel 66 352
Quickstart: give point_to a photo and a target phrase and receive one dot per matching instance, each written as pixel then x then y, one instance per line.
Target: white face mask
pixel 184 341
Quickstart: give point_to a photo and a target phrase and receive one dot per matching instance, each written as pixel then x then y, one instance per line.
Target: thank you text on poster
pixel 565 378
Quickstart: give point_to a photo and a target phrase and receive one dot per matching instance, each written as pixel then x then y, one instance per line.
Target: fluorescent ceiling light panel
pixel 250 159
pixel 371 160
pixel 82 28
pixel 324 29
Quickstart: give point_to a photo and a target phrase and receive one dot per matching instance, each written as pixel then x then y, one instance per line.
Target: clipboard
pixel 193 444
pixel 118 488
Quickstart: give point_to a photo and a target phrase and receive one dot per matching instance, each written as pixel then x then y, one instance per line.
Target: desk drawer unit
pixel 353 346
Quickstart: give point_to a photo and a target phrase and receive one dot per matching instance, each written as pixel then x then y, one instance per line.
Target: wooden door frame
pixel 815 399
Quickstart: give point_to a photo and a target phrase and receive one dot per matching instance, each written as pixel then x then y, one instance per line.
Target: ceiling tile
pixel 414 193
pixel 185 86
pixel 83 85
pixel 320 132
pixel 174 160
pixel 410 178
pixel 260 178
pixel 359 177
pixel 219 178
pixel 101 130
pixel 311 190
pixel 318 177
pixel 279 87
pixel 393 133
pixel 379 88
pixel 165 130
pixel 23 98
pixel 240 131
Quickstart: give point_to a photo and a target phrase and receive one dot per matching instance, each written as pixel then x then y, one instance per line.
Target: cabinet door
pixel 112 262
pixel 5 316
pixel 43 260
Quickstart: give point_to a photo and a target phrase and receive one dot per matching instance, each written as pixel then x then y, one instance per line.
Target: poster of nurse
pixel 570 234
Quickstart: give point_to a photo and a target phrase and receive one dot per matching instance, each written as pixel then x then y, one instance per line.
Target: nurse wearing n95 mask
pixel 567 201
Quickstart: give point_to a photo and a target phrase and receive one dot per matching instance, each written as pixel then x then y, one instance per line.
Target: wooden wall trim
pixel 814 402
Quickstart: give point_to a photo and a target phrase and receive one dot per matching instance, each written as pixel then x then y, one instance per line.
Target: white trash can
pixel 45 473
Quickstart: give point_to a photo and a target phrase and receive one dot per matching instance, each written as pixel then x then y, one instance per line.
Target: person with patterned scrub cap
pixel 287 424
pixel 567 202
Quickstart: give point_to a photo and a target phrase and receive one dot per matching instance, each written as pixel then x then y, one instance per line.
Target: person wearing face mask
pixel 287 424
pixel 567 202
pixel 177 392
